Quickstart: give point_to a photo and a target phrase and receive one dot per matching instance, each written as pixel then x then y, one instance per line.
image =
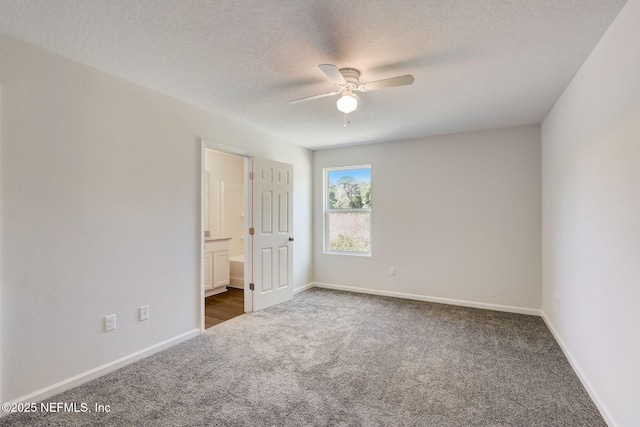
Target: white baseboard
pixel 87 376
pixel 236 282
pixel 604 411
pixel 473 304
pixel 303 288
pixel 213 292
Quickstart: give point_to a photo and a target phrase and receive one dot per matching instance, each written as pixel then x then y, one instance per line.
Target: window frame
pixel 326 211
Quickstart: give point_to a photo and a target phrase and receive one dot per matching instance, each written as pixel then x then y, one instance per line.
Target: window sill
pixel 359 254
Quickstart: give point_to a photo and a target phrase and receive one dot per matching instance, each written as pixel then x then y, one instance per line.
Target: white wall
pixel 591 219
pixel 100 214
pixel 226 210
pixel 458 215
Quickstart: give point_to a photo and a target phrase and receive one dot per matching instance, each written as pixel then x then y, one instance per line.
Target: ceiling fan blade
pixel 407 79
pixel 309 98
pixel 333 73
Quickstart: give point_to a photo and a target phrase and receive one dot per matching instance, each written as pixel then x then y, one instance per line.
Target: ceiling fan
pixel 347 81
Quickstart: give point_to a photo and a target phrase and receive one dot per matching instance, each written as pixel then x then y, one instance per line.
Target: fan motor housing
pixel 351 75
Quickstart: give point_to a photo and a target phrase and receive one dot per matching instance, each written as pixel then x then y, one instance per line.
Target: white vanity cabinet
pixel 216 265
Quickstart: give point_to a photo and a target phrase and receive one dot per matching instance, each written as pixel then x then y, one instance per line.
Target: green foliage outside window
pixel 349 191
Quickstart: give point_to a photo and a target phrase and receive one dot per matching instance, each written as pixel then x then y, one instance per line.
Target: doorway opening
pixel 226 218
pixel 262 248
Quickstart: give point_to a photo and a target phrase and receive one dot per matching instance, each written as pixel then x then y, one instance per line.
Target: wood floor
pixel 224 306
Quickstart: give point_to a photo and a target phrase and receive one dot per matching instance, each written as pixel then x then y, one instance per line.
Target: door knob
pixel 291 239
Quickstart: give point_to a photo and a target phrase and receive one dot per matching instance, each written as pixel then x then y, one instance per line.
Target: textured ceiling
pixel 478 64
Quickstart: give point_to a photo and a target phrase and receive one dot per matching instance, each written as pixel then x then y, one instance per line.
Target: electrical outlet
pixel 110 322
pixel 143 312
pixel 392 271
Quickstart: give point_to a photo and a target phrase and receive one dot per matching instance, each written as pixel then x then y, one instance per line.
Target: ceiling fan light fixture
pixel 347 103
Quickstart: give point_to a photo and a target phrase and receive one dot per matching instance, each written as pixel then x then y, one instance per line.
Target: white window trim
pixel 327 211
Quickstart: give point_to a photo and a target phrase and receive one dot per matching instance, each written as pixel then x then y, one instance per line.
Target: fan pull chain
pixel 346 120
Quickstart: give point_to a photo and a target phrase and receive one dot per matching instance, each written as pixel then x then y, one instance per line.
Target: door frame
pixel 207 144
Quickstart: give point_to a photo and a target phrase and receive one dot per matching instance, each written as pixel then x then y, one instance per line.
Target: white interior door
pixel 272 240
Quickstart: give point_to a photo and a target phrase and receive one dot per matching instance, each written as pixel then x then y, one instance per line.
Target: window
pixel 347 214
